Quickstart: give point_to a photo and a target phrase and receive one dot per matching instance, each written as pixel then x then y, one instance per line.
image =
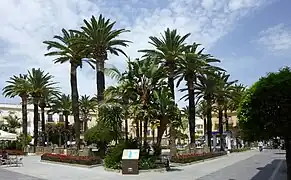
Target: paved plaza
pixel 251 165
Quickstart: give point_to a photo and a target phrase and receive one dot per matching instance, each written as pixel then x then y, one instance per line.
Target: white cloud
pixel 276 39
pixel 25 24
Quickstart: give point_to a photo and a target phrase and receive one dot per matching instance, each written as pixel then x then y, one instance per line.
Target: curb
pixel 141 171
pixel 68 164
pixel 200 161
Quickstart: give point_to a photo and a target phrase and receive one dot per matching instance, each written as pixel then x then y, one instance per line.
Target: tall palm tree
pixel 100 39
pixel 66 51
pixel 223 93
pixel 19 86
pixel 62 104
pixel 191 63
pixel 168 48
pixel 40 83
pixel 206 89
pixel 87 105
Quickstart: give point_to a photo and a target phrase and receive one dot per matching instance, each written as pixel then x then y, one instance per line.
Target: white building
pixel 5 109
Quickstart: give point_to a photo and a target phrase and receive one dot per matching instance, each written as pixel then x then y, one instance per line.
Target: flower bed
pixel 82 160
pixel 240 149
pixel 192 157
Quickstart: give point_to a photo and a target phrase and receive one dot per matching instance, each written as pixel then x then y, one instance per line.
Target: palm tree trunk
pixel 126 128
pixel 24 119
pixel 171 85
pixel 66 128
pixel 153 135
pixel 145 132
pixel 43 125
pixel 85 124
pixel 220 116
pixel 191 113
pixel 100 79
pixel 161 129
pixel 209 123
pixel 35 122
pixel 226 120
pixel 140 130
pixel 75 103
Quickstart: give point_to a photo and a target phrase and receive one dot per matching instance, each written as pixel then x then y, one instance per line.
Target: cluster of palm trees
pixel 145 91
pixel 38 88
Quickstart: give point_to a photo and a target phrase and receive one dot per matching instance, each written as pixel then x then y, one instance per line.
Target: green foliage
pixel 148 162
pixel 12 123
pixel 264 111
pixel 99 135
pixel 114 155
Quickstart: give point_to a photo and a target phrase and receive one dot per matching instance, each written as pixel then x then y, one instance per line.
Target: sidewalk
pixel 33 167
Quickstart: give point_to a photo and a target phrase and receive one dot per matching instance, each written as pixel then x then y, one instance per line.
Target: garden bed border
pixel 71 164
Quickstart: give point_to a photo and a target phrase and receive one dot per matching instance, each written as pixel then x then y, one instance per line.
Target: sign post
pixel 130 161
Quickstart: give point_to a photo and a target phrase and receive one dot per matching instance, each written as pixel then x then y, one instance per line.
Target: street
pixel 251 165
pixel 267 165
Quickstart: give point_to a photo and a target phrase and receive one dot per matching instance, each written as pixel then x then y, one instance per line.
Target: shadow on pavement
pixel 280 153
pixel 267 171
pixel 174 169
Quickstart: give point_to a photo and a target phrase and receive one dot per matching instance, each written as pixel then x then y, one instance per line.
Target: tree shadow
pixel 172 169
pixel 267 171
pixel 280 153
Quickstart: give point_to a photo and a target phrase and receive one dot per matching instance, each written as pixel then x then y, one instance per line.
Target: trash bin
pixel 130 161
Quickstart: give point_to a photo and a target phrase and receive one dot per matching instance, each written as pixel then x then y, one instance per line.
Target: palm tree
pixel 223 93
pixel 19 86
pixel 87 105
pixel 206 89
pixel 66 51
pixel 191 63
pixel 100 39
pixel 40 84
pixel 167 49
pixel 62 104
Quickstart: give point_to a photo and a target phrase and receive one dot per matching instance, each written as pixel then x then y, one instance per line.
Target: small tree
pixel 265 110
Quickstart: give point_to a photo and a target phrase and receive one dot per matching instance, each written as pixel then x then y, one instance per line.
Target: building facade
pixel 232 120
pixel 15 109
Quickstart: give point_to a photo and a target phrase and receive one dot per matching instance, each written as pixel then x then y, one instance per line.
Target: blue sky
pixel 251 37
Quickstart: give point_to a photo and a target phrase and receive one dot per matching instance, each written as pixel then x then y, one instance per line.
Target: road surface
pixel 251 165
pixel 267 165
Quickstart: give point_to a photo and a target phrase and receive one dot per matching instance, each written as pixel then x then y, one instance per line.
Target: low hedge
pixel 192 157
pixel 82 160
pixel 240 149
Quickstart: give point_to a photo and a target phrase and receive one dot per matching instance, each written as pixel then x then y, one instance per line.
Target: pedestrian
pixel 260 146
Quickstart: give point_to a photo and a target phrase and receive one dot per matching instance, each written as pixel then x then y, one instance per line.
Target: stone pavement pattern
pixel 212 169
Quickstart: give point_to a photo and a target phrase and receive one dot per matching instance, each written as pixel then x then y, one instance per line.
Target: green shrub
pixel 147 162
pixel 113 157
pixel 99 135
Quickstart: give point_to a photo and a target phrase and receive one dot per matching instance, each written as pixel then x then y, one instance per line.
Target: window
pixel 61 118
pixel 50 118
pixel 149 132
pixel 81 125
